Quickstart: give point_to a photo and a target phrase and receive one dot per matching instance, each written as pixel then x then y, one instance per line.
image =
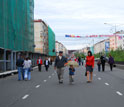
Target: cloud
pixel 79 17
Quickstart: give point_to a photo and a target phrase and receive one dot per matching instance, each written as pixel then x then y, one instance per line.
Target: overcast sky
pixel 80 17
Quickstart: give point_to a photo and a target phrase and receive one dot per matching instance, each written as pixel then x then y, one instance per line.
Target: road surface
pixel 106 90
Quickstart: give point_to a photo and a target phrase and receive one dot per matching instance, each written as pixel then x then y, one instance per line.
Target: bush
pixel 118 55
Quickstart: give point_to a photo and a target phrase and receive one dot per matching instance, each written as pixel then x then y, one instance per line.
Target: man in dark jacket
pixel 60 64
pixel 46 64
pixel 103 60
pixel 19 65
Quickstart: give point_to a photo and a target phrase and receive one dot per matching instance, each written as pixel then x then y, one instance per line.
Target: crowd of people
pixel 103 60
pixel 25 66
pixel 60 63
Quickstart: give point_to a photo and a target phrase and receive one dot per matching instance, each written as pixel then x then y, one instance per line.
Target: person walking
pixel 79 61
pixel 30 67
pixel 59 64
pixel 111 62
pixel 27 65
pixel 71 74
pixel 46 63
pixel 82 61
pixel 89 66
pixel 99 65
pixel 19 65
pixel 102 58
pixel 49 60
pixel 39 62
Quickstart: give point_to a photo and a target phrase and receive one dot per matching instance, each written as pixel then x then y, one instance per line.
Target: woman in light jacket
pixel 27 65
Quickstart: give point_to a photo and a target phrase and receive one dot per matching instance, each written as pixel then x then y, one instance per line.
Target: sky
pixel 80 17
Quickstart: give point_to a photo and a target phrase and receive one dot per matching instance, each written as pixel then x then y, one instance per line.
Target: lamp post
pixel 115 30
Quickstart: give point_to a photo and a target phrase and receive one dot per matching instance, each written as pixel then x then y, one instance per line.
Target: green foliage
pixel 97 55
pixel 80 55
pixel 118 55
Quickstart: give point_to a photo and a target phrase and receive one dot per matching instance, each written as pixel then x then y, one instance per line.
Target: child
pixel 71 73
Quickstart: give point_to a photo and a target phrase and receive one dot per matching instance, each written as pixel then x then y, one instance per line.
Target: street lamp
pixel 115 28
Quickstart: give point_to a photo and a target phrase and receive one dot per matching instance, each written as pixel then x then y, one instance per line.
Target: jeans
pixel 71 78
pixel 39 67
pixel 20 73
pixel 27 74
pixel 103 67
pixel 99 68
pixel 79 63
pixel 111 67
pixel 46 67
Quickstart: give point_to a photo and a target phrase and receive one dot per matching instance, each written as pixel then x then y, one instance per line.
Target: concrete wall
pixel 41 37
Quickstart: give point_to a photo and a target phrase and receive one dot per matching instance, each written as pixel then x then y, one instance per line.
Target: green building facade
pixel 92 49
pixel 16 25
pixel 51 42
pixel 16 32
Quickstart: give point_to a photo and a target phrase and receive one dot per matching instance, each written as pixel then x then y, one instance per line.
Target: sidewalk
pixel 8 73
pixel 119 66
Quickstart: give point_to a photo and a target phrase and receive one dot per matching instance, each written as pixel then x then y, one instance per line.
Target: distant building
pixel 61 47
pixel 113 44
pixel 120 39
pixel 102 46
pixel 85 50
pixel 41 36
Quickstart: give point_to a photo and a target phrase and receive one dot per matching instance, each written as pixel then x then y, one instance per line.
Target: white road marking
pixel 37 86
pixel 53 74
pixel 45 80
pixel 26 96
pixel 106 84
pixel 99 78
pixel 49 76
pixel 119 93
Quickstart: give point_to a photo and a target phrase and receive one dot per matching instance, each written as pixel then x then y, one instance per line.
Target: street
pixel 43 90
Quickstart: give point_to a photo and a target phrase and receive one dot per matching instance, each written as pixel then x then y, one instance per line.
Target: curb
pixel 10 73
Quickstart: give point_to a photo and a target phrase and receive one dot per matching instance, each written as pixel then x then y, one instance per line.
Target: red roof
pixel 39 20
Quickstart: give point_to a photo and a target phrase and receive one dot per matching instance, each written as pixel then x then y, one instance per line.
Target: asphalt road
pixel 106 90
